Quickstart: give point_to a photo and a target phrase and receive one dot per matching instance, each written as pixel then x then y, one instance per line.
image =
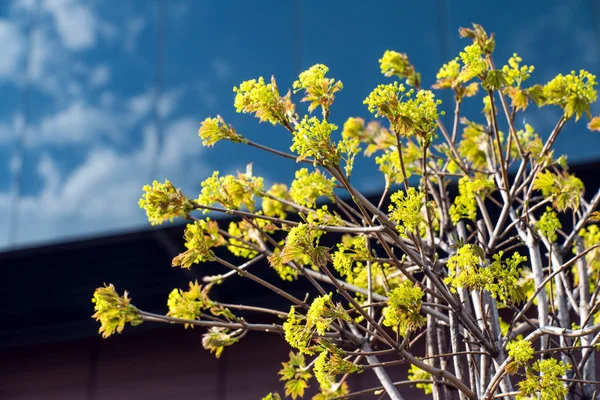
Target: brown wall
pixel 157 364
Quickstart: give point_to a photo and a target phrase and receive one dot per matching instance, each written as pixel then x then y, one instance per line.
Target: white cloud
pixel 107 99
pixel 221 68
pixel 106 185
pixel 8 131
pixel 99 76
pixel 141 104
pixel 63 29
pixel 24 4
pixel 180 140
pixel 75 23
pixel 78 123
pixel 81 122
pixel 15 163
pixel 133 28
pixel 49 172
pixel 168 102
pixel 107 29
pixel 101 194
pixel 47 64
pixel 13 47
pixel 73 89
pixel 207 97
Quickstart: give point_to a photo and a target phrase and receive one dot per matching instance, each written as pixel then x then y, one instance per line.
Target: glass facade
pixel 100 98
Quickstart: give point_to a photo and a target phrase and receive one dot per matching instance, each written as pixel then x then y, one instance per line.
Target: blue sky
pixel 117 90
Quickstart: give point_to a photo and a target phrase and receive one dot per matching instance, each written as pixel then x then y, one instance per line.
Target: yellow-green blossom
pixel 272 396
pixel 389 163
pixel 113 311
pixel 408 115
pixel 417 374
pixel 447 75
pixel 382 277
pixel 299 329
pixel 572 92
pixel 303 241
pixel 334 392
pixel 189 304
pixel 284 270
pixel 514 73
pixel 296 332
pixel 447 78
pixel 200 237
pixel 402 312
pixel 312 138
pixel 317 314
pixel 474 144
pixel 352 249
pixel 465 205
pixel 530 142
pixel 383 100
pixel 466 269
pixel 394 63
pixel 242 231
pixel 547 384
pixel 296 375
pixel 309 186
pixel 263 100
pixel 521 351
pixel 214 129
pixel 319 89
pixel 274 208
pixel 377 137
pixel 324 216
pixel 549 224
pixel 162 202
pixel 486 42
pixel 564 190
pixel 230 192
pixel 405 210
pixel 329 364
pixel 473 61
pixel 216 339
pixel 353 128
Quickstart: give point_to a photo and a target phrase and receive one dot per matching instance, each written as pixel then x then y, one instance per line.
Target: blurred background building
pixel 99 98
